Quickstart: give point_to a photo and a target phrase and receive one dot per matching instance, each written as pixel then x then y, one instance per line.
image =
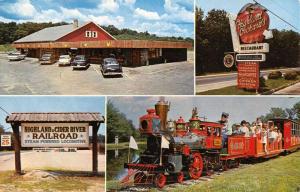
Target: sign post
pixel 248 30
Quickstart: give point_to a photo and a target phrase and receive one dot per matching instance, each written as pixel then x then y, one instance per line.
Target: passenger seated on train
pixel 244 129
pixel 258 131
pixel 235 129
pixel 252 129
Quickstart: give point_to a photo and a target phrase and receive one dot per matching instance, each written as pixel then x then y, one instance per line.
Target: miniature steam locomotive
pixel 195 147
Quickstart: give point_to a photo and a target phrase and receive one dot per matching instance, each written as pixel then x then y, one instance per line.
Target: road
pixel 28 77
pixel 210 82
pixel 75 161
pixel 292 90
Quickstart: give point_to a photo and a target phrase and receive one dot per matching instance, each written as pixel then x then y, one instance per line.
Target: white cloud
pixel 162 28
pixel 108 6
pixel 22 8
pixel 177 13
pixel 129 2
pixel 149 15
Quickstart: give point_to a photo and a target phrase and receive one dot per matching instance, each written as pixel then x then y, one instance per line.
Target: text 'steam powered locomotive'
pixel 195 148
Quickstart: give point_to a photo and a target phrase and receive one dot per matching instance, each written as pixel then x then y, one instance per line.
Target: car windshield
pixel 47 55
pixel 64 57
pixel 79 58
pixel 111 62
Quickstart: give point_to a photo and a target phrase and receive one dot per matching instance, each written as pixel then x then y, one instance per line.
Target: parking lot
pixel 28 77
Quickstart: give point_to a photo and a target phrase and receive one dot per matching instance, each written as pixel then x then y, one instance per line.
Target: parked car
pixel 47 59
pixel 80 62
pixel 110 66
pixel 15 56
pixel 64 60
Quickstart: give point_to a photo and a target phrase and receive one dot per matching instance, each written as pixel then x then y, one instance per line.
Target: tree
pixel 275 112
pixel 118 125
pixel 2 129
pixel 296 108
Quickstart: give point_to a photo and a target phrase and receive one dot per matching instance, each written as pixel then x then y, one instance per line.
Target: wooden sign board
pixel 54 134
pixel 5 140
pixel 248 75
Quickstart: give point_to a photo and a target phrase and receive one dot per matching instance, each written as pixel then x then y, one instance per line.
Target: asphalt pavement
pixel 28 77
pixel 217 81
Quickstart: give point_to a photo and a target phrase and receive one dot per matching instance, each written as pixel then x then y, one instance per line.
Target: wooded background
pixel 10 32
pixel 213 38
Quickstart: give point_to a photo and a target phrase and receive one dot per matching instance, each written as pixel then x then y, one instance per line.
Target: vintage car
pixel 80 62
pixel 110 66
pixel 64 60
pixel 15 56
pixel 47 59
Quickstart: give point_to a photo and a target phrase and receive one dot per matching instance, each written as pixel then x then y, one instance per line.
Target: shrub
pixel 262 82
pixel 275 75
pixel 291 75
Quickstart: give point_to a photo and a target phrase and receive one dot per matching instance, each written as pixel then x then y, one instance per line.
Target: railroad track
pixel 189 182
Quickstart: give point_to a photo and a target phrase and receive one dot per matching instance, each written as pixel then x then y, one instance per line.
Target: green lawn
pixel 281 174
pixel 233 90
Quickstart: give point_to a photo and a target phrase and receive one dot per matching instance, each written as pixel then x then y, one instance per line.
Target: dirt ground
pixel 75 161
pixel 51 171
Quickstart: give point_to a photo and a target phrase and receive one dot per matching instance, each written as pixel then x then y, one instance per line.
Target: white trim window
pixel 95 34
pixel 88 34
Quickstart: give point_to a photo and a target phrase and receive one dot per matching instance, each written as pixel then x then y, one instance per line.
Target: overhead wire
pixel 277 16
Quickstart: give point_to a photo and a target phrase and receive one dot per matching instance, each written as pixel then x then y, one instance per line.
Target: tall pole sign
pixel 248 30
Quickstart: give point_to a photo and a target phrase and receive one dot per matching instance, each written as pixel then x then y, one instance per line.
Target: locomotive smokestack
pixel 162 108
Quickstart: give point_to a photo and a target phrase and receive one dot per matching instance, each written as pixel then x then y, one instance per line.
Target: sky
pixel 289 10
pixel 239 108
pixel 161 17
pixel 51 104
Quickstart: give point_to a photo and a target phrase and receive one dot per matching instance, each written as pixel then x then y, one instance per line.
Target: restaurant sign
pixel 248 75
pixel 254 48
pixel 54 134
pixel 251 23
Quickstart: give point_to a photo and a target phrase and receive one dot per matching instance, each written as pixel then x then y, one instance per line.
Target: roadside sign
pixel 228 60
pixel 5 140
pixel 248 75
pixel 259 57
pixel 251 22
pixel 54 134
pixel 254 48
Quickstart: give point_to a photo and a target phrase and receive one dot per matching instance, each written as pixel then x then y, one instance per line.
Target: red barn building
pixel 96 43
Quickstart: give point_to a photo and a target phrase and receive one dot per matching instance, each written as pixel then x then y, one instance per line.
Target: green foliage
pixel 291 75
pixel 262 82
pixel 213 39
pixel 118 125
pixel 275 75
pixel 10 32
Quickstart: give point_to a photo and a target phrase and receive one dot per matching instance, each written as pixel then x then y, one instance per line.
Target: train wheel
pixel 180 177
pixel 160 180
pixel 139 178
pixel 224 166
pixel 196 167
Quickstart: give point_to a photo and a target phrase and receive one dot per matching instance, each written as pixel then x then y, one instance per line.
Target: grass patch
pixel 233 90
pixel 123 145
pixel 6 48
pixel 278 174
pixel 9 180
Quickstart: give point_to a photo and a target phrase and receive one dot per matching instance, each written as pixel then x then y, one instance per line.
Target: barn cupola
pixel 75 23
